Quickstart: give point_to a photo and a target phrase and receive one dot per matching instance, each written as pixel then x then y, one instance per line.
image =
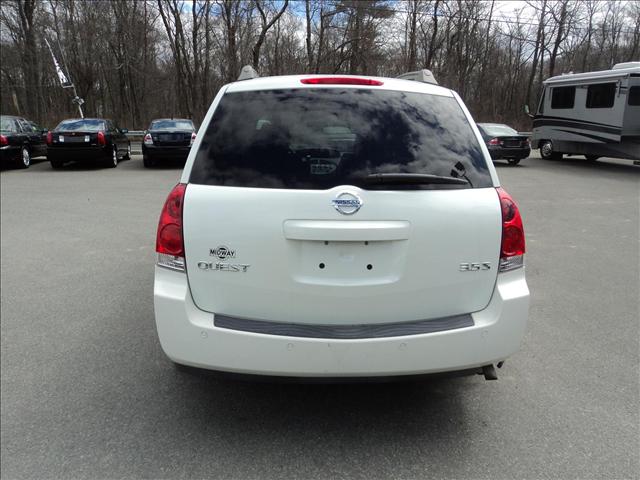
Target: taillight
pixel 341 81
pixel 49 138
pixel 512 246
pixel 4 140
pixel 101 139
pixel 169 240
pixel 148 140
pixel 494 141
pixel 193 137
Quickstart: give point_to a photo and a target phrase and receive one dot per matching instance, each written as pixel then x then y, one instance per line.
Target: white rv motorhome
pixel 595 114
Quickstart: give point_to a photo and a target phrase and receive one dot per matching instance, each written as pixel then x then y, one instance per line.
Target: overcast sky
pixel 507 8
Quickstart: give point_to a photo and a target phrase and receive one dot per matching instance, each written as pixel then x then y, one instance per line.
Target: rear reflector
pixel 341 81
pixel 512 247
pixel 169 240
pixel 511 263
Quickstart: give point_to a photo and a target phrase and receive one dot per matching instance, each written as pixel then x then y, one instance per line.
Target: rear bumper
pixel 68 154
pixel 188 336
pixel 166 152
pixel 10 153
pixel 497 153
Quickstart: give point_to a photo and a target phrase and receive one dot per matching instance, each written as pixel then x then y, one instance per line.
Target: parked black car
pixel 20 141
pixel 167 139
pixel 505 142
pixel 86 139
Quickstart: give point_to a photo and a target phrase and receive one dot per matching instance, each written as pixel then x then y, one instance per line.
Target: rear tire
pixel 56 163
pixel 546 151
pixel 25 158
pixel 148 162
pixel 112 161
pixel 513 161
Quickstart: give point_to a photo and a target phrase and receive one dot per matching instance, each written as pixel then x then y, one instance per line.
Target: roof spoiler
pixel 247 73
pixel 424 76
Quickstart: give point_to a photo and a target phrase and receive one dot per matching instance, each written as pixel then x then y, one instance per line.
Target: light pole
pixel 65 82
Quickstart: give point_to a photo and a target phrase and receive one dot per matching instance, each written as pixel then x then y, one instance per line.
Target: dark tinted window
pixel 563 97
pixel 634 96
pixel 601 95
pixel 81 125
pixel 321 138
pixel 24 126
pixel 171 125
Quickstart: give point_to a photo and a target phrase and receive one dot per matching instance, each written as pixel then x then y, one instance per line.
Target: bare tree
pixel 19 18
pixel 538 48
pixel 265 25
pixel 560 35
pixel 414 12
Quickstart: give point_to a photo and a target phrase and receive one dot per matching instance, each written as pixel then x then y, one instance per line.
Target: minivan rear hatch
pixel 340 206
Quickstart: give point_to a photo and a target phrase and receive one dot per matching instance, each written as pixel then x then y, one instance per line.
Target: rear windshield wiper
pixel 410 179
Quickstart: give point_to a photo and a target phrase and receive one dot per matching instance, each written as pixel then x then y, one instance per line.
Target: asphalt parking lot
pixel 88 393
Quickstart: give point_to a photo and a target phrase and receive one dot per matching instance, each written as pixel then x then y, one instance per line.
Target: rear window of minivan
pixel 322 138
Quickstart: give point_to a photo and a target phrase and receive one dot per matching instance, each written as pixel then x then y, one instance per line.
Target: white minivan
pixel 340 226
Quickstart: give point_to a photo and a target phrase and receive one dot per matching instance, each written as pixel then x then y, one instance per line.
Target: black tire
pixel 112 159
pixel 546 151
pixel 513 161
pixel 148 162
pixel 591 158
pixel 56 163
pixel 127 156
pixel 24 160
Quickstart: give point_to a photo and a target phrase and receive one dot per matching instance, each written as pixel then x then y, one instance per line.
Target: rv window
pixel 541 104
pixel 634 96
pixel 563 97
pixel 601 95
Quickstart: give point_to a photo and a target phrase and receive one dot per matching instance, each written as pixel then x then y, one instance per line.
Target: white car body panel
pixel 416 269
pixel 188 336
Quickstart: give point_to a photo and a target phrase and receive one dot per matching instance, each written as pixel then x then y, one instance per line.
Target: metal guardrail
pixel 136 147
pixel 135 138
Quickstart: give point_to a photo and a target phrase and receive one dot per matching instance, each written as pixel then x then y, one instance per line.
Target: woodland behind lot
pixel 133 60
